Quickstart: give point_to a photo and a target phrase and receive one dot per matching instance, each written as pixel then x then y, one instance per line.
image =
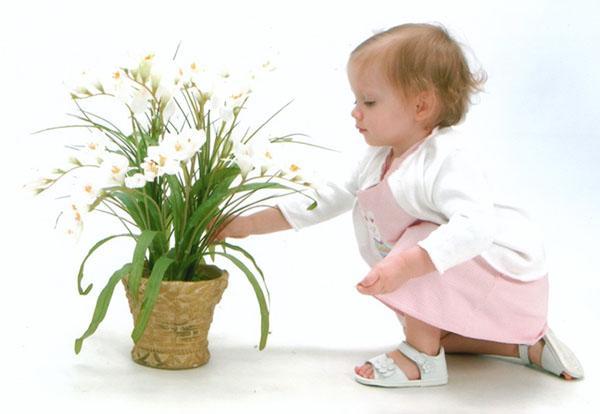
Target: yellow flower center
pixel 294 168
pixel 152 167
pixel 116 75
pixel 115 169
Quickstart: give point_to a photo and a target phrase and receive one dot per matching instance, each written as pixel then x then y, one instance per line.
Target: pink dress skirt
pixel 471 299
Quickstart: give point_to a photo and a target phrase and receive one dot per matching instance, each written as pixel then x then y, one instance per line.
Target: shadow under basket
pixel 177 331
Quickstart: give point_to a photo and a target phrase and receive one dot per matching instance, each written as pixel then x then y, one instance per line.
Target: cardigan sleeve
pixel 333 198
pixel 460 194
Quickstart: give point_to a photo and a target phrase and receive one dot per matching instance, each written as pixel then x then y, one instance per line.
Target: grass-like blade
pixel 264 310
pixel 102 305
pixel 137 263
pixel 150 295
pixel 249 257
pixel 85 291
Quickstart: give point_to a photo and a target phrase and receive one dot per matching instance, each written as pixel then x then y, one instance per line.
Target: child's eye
pixel 367 103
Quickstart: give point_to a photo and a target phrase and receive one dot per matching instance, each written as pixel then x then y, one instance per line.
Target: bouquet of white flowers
pixel 172 177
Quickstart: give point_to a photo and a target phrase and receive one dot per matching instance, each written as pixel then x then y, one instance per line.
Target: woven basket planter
pixel 177 331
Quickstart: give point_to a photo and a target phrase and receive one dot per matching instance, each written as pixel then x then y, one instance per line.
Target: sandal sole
pixel 406 384
pixel 565 356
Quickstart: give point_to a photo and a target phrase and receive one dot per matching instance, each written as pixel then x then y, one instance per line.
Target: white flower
pixel 164 163
pixel 115 83
pixel 228 94
pixel 135 181
pixel 93 152
pixel 150 169
pixel 244 157
pixel 219 106
pixel 226 114
pixel 169 109
pixel 233 91
pixel 174 146
pixel 266 156
pixel 145 67
pixel 293 171
pixel 87 85
pixel 193 73
pixel 86 189
pixel 165 88
pixel 71 219
pixel 114 168
pixel 139 100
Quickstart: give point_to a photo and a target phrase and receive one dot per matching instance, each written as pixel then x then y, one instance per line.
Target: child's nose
pixel 356 114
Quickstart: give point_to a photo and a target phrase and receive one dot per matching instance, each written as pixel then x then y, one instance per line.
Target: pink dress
pixel 471 299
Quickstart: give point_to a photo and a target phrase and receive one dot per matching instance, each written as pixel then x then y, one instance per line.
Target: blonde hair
pixel 423 57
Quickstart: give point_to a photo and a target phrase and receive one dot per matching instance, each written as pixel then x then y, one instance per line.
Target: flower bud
pixel 75 161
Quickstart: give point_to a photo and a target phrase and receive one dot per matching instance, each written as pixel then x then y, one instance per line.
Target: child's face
pixel 381 114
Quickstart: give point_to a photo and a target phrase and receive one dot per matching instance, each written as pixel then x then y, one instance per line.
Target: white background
pixel 536 126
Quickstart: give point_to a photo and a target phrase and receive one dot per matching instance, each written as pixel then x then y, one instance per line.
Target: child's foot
pixel 397 369
pixel 406 365
pixel 535 356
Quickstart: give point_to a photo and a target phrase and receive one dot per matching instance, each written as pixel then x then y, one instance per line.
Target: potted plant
pixel 172 177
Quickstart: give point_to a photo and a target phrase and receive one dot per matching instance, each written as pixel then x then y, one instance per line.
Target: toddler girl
pixel 463 272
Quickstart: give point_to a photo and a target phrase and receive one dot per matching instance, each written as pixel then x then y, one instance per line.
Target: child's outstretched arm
pixel 265 221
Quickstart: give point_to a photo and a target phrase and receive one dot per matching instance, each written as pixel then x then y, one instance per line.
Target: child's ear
pixel 425 106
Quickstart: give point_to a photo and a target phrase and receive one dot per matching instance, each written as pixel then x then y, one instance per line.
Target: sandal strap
pixel 424 362
pixel 385 366
pixel 524 354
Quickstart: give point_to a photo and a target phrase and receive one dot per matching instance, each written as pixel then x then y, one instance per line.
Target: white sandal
pixel 556 357
pixel 387 374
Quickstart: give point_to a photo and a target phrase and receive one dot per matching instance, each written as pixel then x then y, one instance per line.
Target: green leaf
pixel 223 177
pixel 177 206
pixel 132 208
pixel 258 186
pixel 312 206
pixel 150 295
pixel 137 263
pixel 249 257
pixel 94 247
pixel 265 123
pixel 264 310
pixel 102 305
pixel 203 213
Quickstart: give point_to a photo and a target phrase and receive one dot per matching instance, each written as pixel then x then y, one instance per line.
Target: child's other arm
pixel 395 270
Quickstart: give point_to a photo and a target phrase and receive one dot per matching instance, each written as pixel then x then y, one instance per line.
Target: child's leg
pixel 421 336
pixel 456 344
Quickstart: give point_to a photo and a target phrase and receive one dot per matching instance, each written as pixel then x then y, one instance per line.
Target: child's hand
pixel 395 270
pixel 381 279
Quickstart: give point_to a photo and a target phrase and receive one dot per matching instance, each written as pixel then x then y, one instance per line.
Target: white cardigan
pixel 442 183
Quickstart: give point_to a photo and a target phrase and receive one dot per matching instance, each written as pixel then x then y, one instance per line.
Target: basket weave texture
pixel 177 331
